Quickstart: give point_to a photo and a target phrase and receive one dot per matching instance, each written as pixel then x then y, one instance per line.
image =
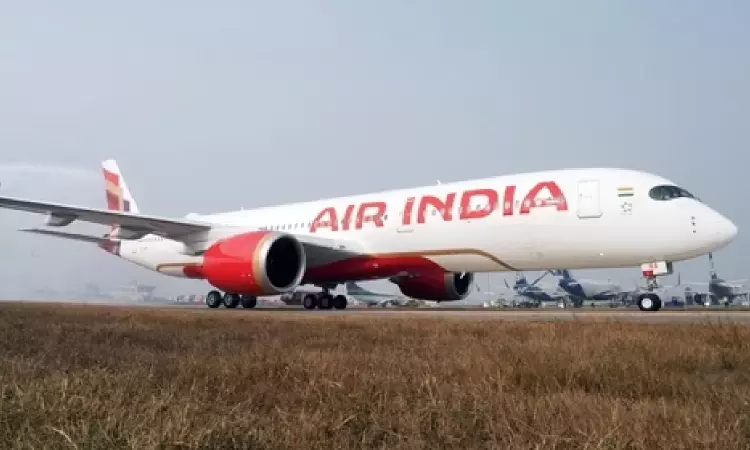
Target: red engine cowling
pixel 439 287
pixel 256 263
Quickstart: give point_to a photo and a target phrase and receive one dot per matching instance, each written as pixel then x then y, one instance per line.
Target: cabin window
pixel 669 192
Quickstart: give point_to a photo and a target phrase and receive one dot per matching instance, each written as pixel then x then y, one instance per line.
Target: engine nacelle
pixel 255 263
pixel 440 287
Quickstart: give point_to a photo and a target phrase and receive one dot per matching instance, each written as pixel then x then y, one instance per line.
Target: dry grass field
pixel 104 377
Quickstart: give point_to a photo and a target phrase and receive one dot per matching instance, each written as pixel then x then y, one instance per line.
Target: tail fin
pixel 117 192
pixel 564 273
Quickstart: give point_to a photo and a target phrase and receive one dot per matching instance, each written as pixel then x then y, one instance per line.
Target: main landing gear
pixel 214 299
pixel 324 300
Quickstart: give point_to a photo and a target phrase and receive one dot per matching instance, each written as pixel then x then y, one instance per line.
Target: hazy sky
pixel 211 106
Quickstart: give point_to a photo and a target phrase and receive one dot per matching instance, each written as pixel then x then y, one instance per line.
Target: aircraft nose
pixel 724 230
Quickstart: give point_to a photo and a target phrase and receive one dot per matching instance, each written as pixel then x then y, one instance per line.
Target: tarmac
pixel 738 317
pixel 695 315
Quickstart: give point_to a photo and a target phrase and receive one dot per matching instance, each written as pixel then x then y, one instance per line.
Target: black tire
pixel 249 301
pixel 325 301
pixel 340 302
pixel 231 300
pixel 649 302
pixel 213 299
pixel 310 301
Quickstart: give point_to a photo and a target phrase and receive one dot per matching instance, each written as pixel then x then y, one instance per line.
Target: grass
pixel 142 378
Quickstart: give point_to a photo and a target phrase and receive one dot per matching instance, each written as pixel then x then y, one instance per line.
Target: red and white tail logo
pixel 116 190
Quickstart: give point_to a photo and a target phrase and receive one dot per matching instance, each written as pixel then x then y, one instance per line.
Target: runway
pixel 737 316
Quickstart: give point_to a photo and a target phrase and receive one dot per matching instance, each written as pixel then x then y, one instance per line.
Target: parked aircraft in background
pixel 428 240
pixel 717 289
pixel 580 290
pixel 533 293
pixel 357 292
pixel 369 298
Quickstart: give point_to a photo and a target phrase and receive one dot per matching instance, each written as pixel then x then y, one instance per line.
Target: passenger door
pixel 589 201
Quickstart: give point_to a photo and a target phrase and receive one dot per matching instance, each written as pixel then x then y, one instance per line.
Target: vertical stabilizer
pixel 117 193
pixel 520 280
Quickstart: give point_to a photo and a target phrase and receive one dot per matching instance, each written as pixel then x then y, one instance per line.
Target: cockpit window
pixel 669 192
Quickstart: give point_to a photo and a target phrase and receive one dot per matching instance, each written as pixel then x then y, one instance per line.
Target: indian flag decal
pixel 625 192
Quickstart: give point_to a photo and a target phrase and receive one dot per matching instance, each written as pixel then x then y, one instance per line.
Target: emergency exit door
pixel 589 202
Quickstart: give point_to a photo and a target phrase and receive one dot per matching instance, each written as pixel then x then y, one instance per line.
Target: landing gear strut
pixel 324 300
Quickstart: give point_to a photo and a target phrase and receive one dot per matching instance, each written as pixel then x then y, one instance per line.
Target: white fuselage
pixel 600 227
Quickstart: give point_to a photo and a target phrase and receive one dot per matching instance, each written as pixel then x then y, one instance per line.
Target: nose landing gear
pixel 649 302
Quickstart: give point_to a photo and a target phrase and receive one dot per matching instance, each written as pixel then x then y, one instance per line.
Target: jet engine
pixel 439 287
pixel 256 263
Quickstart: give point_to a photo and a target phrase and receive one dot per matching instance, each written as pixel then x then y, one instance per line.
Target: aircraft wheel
pixel 231 300
pixel 213 299
pixel 649 302
pixel 248 301
pixel 325 301
pixel 340 302
pixel 310 301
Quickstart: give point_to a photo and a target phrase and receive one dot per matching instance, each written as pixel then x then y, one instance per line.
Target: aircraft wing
pixel 319 250
pixel 60 215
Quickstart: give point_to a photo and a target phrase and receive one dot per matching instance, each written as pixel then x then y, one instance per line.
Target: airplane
pixel 429 241
pixel 580 290
pixel 370 298
pixel 532 292
pixel 717 288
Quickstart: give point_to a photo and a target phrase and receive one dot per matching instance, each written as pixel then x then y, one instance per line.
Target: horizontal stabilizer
pixel 64 235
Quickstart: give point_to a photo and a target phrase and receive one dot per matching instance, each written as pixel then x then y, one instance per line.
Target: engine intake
pixel 440 287
pixel 256 263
